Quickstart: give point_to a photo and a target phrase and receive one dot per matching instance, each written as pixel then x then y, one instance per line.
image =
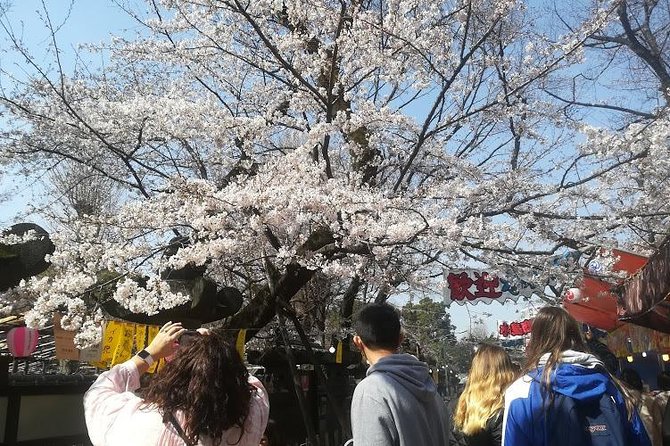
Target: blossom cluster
pixel 409 138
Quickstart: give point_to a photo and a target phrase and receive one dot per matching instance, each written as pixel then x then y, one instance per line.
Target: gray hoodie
pixel 397 404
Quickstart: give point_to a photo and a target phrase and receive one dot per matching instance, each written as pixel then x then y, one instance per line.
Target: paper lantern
pixel 22 341
pixel 573 295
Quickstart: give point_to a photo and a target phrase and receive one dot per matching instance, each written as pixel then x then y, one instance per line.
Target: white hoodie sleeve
pixel 109 394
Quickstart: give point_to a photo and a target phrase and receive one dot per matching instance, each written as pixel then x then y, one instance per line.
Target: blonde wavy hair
pixel 490 374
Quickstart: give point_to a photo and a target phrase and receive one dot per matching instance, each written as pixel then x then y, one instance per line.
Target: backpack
pixel 597 422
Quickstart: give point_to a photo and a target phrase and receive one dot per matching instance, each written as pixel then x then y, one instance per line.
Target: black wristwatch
pixel 145 356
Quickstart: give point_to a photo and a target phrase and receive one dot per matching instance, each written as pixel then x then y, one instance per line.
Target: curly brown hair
pixel 208 382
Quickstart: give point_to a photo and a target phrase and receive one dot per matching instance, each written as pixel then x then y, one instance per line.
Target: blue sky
pixel 88 21
pixel 95 21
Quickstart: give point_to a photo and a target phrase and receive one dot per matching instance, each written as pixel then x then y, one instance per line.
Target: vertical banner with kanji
pixel 241 342
pixel 474 286
pixel 110 338
pixel 120 340
pixel 124 349
pixel 338 353
pixel 152 331
pixel 140 337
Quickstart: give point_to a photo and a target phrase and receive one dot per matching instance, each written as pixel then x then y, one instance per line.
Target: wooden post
pixel 319 370
pixel 311 435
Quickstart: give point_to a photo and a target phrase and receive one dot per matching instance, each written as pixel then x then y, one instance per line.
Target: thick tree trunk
pixel 350 294
pixel 262 307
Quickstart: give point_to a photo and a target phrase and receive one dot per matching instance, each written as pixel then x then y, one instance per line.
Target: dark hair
pixel 208 382
pixel 602 352
pixel 378 325
pixel 664 380
pixel 632 378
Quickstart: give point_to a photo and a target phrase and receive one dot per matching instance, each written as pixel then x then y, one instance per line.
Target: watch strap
pixel 145 356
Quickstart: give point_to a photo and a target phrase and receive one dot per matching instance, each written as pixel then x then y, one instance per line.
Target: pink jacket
pixel 114 415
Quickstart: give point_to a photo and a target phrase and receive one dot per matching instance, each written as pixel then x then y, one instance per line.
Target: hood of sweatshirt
pixel 578 375
pixel 407 371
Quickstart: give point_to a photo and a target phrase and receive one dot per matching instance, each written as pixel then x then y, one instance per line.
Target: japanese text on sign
pixel 514 329
pixel 472 286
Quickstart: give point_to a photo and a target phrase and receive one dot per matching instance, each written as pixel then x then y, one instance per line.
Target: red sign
pixel 472 286
pixel 522 328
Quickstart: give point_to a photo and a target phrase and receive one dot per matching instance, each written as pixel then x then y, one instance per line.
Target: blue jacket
pixel 529 422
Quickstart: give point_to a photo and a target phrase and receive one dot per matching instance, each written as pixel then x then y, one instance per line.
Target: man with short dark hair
pixel 397 403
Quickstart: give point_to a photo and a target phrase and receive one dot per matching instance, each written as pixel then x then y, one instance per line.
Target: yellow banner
pixel 140 337
pixel 124 349
pixel 152 331
pixel 338 353
pixel 241 342
pixel 111 338
pixel 121 339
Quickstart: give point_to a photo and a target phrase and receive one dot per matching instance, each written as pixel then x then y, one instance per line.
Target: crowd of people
pixel 563 395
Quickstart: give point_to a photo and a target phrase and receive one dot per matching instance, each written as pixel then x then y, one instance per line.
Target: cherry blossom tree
pixel 376 142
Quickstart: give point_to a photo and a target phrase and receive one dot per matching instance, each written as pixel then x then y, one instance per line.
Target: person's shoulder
pixel 519 389
pixel 375 386
pixel 372 381
pixel 369 393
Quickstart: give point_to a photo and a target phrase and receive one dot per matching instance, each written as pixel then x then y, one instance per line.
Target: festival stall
pixel 594 300
pixel 646 298
pixel 645 350
pixel 632 312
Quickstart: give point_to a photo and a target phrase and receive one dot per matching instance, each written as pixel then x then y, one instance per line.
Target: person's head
pixel 491 372
pixel 377 327
pixel 632 379
pixel 208 382
pixel 664 381
pixel 554 331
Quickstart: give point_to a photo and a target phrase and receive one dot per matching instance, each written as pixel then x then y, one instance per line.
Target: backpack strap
pixel 179 429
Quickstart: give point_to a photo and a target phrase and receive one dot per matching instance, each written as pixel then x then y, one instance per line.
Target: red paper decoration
pixel 573 295
pixel 22 341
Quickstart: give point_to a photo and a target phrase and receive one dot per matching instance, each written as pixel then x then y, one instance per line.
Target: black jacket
pixel 490 436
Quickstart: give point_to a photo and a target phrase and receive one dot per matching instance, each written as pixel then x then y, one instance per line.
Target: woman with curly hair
pixel 203 396
pixel 479 412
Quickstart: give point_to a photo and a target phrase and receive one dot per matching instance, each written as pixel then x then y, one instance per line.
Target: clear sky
pixel 91 21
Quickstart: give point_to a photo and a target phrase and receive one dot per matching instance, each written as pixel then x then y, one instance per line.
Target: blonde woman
pixel 479 412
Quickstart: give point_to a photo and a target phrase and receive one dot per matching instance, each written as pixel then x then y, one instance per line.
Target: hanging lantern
pixel 573 295
pixel 22 341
